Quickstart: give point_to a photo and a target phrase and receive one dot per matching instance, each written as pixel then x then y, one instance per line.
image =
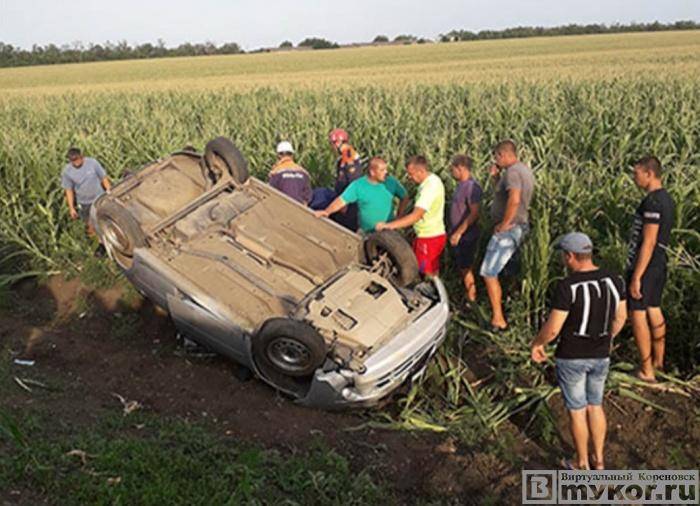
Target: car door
pixel 209 330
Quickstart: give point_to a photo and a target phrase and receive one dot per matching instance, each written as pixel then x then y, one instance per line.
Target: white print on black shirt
pixel 593 292
pixel 635 240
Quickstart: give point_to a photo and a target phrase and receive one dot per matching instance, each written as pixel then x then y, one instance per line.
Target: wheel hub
pixel 288 354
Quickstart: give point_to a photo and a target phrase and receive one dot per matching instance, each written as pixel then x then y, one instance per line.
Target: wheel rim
pixel 289 354
pixel 116 238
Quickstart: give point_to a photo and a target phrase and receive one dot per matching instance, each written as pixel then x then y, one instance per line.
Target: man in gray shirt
pixel 514 186
pixel 83 180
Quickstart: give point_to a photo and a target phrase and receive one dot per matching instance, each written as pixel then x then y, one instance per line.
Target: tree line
pixel 573 29
pixel 11 56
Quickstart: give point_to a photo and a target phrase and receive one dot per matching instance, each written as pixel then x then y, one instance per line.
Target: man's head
pixel 647 170
pixel 75 157
pixel 576 249
pixel 505 153
pixel 377 170
pixel 417 168
pixel 285 149
pixel 461 167
pixel 337 137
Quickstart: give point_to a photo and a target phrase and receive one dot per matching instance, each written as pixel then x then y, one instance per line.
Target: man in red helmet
pixel 348 169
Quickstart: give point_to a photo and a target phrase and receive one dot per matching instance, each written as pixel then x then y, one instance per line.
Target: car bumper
pixel 405 357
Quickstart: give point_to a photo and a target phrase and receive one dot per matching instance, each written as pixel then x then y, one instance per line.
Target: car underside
pixel 317 311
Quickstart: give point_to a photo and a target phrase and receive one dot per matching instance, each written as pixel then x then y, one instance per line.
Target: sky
pixel 265 23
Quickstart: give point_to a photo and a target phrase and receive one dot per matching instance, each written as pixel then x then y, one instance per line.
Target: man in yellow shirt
pixel 427 217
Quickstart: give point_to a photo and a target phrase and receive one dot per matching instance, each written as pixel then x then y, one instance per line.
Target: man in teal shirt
pixel 374 195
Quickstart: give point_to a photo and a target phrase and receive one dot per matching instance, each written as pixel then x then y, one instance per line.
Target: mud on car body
pixel 330 317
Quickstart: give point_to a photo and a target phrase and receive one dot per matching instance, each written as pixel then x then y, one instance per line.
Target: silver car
pixel 325 315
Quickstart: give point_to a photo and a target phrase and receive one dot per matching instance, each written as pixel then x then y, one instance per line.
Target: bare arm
pixel 403 222
pixel 403 205
pixel 334 207
pixel 106 184
pixel 549 331
pixel 467 222
pixel 70 199
pixel 511 210
pixel 620 318
pixel 650 233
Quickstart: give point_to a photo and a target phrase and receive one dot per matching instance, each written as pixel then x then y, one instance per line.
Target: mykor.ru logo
pixel 610 487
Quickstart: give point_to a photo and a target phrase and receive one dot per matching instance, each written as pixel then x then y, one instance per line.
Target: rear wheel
pixel 289 348
pixel 120 232
pixel 220 155
pixel 389 254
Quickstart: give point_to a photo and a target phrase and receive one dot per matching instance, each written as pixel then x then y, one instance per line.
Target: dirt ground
pixel 92 344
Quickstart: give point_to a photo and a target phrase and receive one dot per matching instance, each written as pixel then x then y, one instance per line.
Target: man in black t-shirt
pixel 646 265
pixel 588 310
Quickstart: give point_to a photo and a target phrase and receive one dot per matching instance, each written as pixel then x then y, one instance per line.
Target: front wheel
pixel 288 347
pixel 389 254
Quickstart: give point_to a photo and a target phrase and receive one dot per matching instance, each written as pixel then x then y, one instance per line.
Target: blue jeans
pixel 500 248
pixel 582 381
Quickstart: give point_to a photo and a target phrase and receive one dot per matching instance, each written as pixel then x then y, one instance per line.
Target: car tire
pixel 223 149
pixel 288 347
pixel 119 231
pixel 390 245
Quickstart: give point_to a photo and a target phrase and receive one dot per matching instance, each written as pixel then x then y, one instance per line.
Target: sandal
pixel 568 465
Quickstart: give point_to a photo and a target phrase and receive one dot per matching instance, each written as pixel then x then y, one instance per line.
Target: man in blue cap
pixel 589 308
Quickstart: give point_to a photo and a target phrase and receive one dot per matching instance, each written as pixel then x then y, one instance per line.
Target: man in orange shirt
pixel 348 168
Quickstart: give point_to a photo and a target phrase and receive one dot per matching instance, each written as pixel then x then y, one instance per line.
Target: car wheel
pixel 120 232
pixel 221 151
pixel 389 254
pixel 289 347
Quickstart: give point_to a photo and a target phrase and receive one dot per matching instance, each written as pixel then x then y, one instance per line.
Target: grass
pixel 545 59
pixel 145 459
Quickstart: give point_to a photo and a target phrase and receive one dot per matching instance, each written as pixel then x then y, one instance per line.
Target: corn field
pixel 579 137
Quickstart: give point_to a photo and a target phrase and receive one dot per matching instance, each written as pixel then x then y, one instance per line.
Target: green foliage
pixel 11 56
pixel 316 43
pixel 405 39
pixel 571 29
pixel 174 462
pixel 580 139
pixel 579 135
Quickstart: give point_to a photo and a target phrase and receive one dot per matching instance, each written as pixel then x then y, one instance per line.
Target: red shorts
pixel 428 251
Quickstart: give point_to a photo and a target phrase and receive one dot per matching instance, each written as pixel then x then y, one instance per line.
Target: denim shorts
pixel 582 381
pixel 500 248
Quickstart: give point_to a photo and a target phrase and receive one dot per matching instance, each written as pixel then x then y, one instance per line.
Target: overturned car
pixel 323 314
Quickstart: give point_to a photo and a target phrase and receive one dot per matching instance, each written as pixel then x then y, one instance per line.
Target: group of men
pixel 366 203
pixel 589 306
